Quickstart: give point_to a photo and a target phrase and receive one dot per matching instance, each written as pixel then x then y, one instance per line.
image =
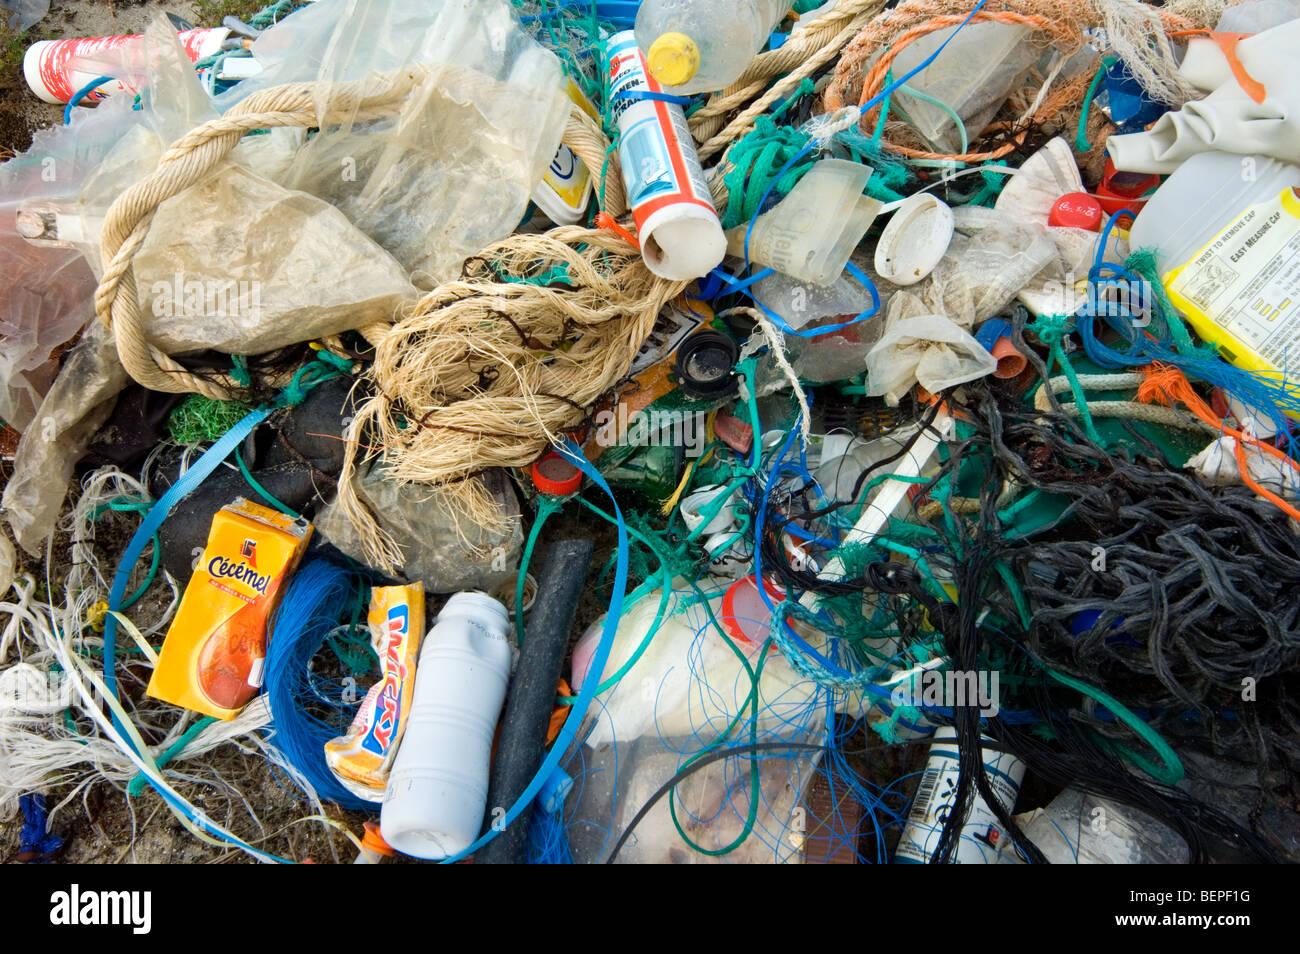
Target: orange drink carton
pixel 215 650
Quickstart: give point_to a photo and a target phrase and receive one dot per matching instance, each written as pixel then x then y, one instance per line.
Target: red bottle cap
pixel 1124 190
pixel 1076 210
pixel 555 476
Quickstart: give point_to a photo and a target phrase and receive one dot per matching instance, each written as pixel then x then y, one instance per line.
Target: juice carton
pixel 360 759
pixel 215 650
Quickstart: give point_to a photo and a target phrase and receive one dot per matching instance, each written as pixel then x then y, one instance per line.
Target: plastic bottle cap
pixel 744 614
pixel 703 365
pixel 673 59
pixel 372 840
pixel 555 476
pixel 1076 210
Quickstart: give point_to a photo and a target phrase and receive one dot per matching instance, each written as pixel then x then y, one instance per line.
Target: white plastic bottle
pixel 694 46
pixel 437 790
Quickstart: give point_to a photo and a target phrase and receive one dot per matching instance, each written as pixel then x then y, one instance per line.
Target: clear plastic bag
pixel 686 691
pixel 428 530
pixel 920 347
pixel 711 805
pixel 243 265
pixel 453 171
pixel 79 401
pixel 686 680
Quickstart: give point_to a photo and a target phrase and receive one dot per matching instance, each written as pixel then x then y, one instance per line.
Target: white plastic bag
pixel 923 348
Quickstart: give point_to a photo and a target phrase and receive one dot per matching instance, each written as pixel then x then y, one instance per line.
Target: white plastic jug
pixel 437 791
pixel 694 46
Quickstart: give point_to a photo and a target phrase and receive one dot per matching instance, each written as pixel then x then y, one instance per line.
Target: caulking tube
pixel 56 69
pixel 677 225
pixel 982 839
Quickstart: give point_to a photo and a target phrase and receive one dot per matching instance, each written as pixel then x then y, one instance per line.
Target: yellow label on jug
pixel 565 188
pixel 215 650
pixel 1242 290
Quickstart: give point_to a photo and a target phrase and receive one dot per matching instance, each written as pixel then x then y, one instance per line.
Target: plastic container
pixel 1200 198
pixel 437 790
pixel 982 840
pixel 677 225
pixel 1225 229
pixel 914 240
pixel 696 46
pixel 57 69
pixel 565 189
pixel 974 75
pixel 812 232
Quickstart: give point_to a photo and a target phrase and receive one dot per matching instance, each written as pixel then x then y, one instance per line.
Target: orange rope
pixel 1165 384
pixel 606 221
pixel 1066 32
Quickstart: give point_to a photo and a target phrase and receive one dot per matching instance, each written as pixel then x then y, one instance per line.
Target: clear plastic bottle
pixel 695 46
pixel 437 790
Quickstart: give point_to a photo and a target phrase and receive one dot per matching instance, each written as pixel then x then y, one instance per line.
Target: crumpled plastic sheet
pixel 920 347
pixel 243 265
pixel 424 525
pixel 22 14
pixel 991 258
pixel 80 400
pixel 453 172
pixel 46 297
pixel 711 804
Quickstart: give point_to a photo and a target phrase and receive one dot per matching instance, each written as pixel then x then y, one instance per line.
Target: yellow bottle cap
pixel 673 59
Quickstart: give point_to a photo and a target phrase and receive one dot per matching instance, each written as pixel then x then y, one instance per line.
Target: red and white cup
pixel 57 69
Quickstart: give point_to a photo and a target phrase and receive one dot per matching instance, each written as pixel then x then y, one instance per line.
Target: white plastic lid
pixel 914 240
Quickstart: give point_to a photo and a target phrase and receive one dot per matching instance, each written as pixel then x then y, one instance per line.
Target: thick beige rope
pixel 819 41
pixel 201 149
pixel 489 370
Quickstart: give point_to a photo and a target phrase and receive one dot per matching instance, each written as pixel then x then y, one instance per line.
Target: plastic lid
pixel 703 365
pixel 372 840
pixel 555 476
pixel 673 59
pixel 914 240
pixel 744 614
pixel 1076 210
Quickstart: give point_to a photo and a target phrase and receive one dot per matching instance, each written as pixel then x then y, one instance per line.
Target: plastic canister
pixel 811 233
pixel 982 839
pixel 1226 229
pixel 677 225
pixel 1200 197
pixel 57 69
pixel 437 790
